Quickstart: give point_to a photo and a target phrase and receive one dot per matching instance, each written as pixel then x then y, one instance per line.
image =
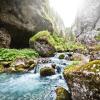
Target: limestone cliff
pixel 87 24
pixel 24 18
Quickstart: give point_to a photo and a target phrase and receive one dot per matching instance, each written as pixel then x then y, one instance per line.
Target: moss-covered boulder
pixel 62 56
pixel 43 42
pixel 62 94
pixel 1 69
pixel 84 81
pixel 47 71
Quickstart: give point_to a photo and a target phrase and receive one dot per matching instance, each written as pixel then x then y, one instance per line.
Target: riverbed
pixel 31 86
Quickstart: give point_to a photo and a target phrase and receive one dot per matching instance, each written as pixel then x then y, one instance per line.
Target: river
pixel 31 86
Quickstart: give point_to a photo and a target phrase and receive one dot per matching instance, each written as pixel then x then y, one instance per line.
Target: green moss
pixel 93 66
pixel 62 56
pixel 58 42
pixel 1 69
pixel 62 94
pixel 44 35
pixel 12 54
pixel 47 71
pixel 98 37
pixel 86 75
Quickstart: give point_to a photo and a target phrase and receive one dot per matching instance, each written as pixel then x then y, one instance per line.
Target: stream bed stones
pixel 47 71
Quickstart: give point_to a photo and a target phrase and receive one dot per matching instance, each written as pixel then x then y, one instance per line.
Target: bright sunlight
pixel 67 9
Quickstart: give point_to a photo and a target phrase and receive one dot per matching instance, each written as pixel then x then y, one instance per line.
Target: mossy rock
pixel 62 94
pixel 87 67
pixel 47 71
pixel 32 67
pixel 11 70
pixel 20 65
pixel 6 64
pixel 21 70
pixel 62 56
pixel 87 75
pixel 77 57
pixel 43 43
pixel 1 68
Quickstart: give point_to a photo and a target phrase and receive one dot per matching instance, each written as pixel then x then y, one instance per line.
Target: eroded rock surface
pixel 24 18
pixel 87 22
pixel 84 81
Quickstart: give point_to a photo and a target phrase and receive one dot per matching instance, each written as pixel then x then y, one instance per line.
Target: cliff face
pixel 24 18
pixel 87 22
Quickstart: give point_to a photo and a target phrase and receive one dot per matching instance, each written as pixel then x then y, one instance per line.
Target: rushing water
pixel 31 86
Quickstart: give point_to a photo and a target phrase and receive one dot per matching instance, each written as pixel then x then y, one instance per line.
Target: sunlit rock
pixel 84 80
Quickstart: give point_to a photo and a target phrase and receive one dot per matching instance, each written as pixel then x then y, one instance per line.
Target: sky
pixel 67 9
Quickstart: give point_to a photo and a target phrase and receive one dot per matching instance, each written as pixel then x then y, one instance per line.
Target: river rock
pixel 62 56
pixel 62 94
pixel 47 71
pixel 84 81
pixel 24 18
pixel 23 65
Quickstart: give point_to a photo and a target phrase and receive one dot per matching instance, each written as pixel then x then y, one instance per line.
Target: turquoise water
pixel 31 86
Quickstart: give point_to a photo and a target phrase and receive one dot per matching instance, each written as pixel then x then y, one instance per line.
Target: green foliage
pixel 61 44
pixel 11 54
pixel 98 37
pixel 58 42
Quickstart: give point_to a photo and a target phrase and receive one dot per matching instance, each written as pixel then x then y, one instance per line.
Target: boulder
pixel 22 65
pixel 62 94
pixel 77 57
pixel 84 80
pixel 62 56
pixel 24 18
pixel 43 43
pixel 47 71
